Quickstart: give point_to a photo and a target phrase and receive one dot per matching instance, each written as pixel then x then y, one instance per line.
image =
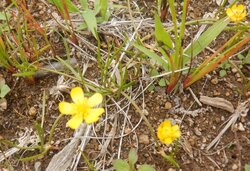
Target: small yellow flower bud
pixel 236 13
pixel 168 133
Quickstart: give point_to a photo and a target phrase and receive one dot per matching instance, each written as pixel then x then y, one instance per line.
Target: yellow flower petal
pixel 168 133
pixel 93 115
pixel 234 7
pixel 77 95
pixel 229 12
pixel 168 140
pixel 95 100
pixel 236 13
pixel 67 108
pixel 166 124
pixel 75 121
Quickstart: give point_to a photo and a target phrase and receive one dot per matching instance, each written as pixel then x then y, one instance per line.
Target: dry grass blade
pixel 62 160
pixel 24 141
pixel 242 109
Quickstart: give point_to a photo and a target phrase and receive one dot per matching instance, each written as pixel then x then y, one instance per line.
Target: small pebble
pixel 239 80
pixel 192 140
pixel 211 168
pixel 227 94
pixel 57 142
pixel 32 111
pixel 168 105
pixel 248 94
pixel 197 132
pixel 3 104
pixel 241 127
pixel 234 70
pixel 222 118
pixel 203 146
pixel 184 99
pixel 175 116
pixel 214 81
pixel 204 140
pixel 145 112
pixel 144 139
pixel 37 166
pixel 234 167
pixel 237 75
pixel 217 120
pixel 127 130
pixel 243 119
pixel 216 93
pixel 171 169
pixel 208 76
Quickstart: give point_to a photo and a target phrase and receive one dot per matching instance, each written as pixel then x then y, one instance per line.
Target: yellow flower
pixel 236 13
pixel 168 133
pixel 82 108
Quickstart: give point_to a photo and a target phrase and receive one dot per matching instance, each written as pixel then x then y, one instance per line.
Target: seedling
pixel 4 88
pixel 224 67
pixel 99 14
pixel 247 167
pixel 129 165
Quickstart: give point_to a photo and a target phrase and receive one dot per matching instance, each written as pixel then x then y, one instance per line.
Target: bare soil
pixel 231 153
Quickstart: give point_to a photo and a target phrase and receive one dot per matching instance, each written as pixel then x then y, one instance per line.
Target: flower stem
pixel 144 118
pixel 53 127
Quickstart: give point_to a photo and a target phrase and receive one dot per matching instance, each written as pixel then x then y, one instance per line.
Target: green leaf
pixel 240 56
pixel 146 167
pixel 206 38
pixel 84 4
pixel 171 159
pixel 225 65
pixel 162 82
pixel 152 55
pixel 4 89
pixel 223 73
pixel 90 19
pixel 132 156
pixel 82 26
pixel 121 165
pixel 104 8
pixel 2 16
pixel 97 6
pixel 247 58
pixel 161 34
pixel 154 72
pixel 151 87
pixel 40 133
pixel 247 167
pixel 70 6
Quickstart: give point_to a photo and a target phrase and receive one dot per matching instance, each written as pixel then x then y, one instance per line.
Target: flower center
pixel 83 108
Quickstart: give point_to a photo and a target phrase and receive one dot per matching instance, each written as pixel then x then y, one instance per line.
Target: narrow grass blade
pixel 215 63
pixel 206 38
pixel 152 55
pixel 58 3
pixel 90 19
pixel 161 34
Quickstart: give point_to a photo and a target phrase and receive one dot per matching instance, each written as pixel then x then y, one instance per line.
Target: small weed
pixel 228 64
pixel 20 44
pixel 92 17
pixel 247 167
pixel 129 165
pixel 171 54
pixel 4 88
pixel 225 66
